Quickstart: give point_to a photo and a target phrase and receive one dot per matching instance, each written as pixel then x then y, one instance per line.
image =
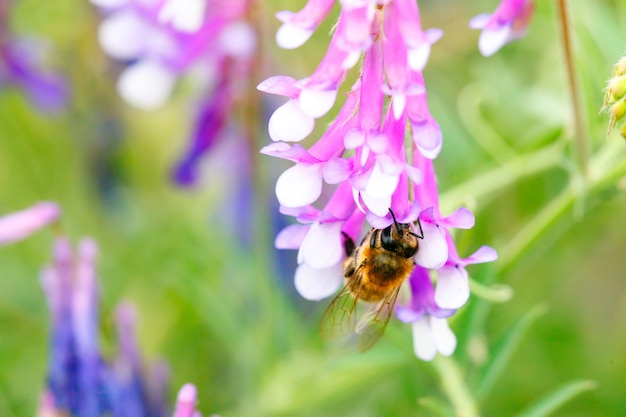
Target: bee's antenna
pixel 421 231
pixel 395 222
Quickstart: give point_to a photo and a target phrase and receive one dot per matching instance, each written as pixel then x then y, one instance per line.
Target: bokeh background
pixel 222 310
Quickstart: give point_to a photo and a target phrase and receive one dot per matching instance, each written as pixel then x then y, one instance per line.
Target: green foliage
pixel 224 318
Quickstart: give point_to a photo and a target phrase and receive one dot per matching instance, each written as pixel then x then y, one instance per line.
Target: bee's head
pixel 399 238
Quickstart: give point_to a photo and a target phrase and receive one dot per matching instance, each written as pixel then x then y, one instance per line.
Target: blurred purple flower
pixel 21 224
pixel 20 66
pixel 364 153
pixel 80 382
pixel 508 23
pixel 162 41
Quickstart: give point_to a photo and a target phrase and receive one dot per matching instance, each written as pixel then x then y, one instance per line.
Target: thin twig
pixel 582 147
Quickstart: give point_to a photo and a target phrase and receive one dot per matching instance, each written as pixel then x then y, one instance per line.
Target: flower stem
pixel 582 147
pixel 454 386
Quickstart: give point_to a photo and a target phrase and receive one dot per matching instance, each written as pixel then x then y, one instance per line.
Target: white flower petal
pixel 316 103
pixel 353 139
pixel 290 36
pixel 238 40
pixel 121 35
pixel 146 85
pixel 184 15
pixel 378 206
pixel 423 344
pixel 316 284
pixel 418 57
pixel 299 185
pixel 322 248
pixel 491 41
pixel 479 22
pixel 433 249
pixel 381 185
pixel 445 340
pixel 399 103
pixel 291 237
pixel 351 60
pixel 289 123
pixel 452 290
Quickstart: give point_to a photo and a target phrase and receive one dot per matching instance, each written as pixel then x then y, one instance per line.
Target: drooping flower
pixel 508 23
pixel 211 42
pixel 21 224
pixel 375 165
pixel 80 382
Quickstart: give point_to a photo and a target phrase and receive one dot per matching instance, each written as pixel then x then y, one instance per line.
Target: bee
pixel 374 272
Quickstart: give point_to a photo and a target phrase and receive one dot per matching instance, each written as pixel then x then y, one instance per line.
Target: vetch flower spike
pixel 377 171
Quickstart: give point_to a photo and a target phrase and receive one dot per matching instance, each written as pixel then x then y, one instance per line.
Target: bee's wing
pixel 339 319
pixel 373 323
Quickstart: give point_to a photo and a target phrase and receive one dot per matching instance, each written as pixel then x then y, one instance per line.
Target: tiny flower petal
pixel 483 254
pixel 452 290
pixel 186 401
pixel 290 36
pixel 146 85
pixel 238 40
pixel 423 343
pixel 184 15
pixel 291 237
pixel 316 284
pixel 462 218
pixel 280 85
pixel 289 123
pixel 121 35
pixel 491 41
pixel 433 249
pixel 322 246
pixel 299 185
pixel 316 103
pixel 444 339
pixel 21 224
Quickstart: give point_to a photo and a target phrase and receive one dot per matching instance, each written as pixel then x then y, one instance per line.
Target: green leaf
pixel 502 351
pixel 544 406
pixel 496 293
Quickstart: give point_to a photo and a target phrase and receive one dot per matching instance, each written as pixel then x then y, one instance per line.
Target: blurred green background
pixel 222 316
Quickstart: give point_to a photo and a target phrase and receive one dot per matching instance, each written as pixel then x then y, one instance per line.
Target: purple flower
pixel 212 43
pixel 80 382
pixel 21 224
pixel 431 333
pixel 21 65
pixel 508 23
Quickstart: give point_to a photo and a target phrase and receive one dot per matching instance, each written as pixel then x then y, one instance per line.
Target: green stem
pixel 454 386
pixel 605 169
pixel 582 147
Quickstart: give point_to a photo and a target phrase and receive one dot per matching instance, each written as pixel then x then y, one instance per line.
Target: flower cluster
pixel 163 40
pixel 22 65
pixel 368 155
pixel 80 382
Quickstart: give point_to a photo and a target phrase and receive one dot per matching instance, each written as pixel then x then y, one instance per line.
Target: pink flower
pixel 366 155
pixel 21 224
pixel 508 23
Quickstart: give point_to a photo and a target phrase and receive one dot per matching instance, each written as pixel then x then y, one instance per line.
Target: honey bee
pixel 374 272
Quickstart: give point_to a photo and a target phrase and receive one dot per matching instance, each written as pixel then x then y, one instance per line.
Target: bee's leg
pixel 348 244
